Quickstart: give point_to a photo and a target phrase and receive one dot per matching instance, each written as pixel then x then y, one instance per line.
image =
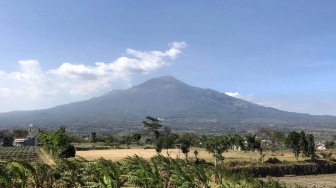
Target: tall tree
pixel 304 144
pixel 166 140
pixel 186 140
pixel 136 137
pixel 273 138
pixel 93 137
pixel 152 126
pixel 254 144
pixel 311 146
pixel 57 142
pixel 237 142
pixel 292 142
pixel 217 145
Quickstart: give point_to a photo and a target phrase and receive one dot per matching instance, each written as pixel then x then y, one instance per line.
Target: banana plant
pixel 142 173
pixel 108 172
pixel 23 173
pixel 5 180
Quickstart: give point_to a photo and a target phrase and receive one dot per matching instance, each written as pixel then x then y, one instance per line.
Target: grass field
pixel 119 154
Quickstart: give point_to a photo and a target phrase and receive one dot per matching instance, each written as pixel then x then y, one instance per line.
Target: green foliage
pixel 300 142
pixel 237 142
pixel 162 171
pixel 217 145
pixel 254 144
pixel 152 128
pixel 303 143
pixel 273 160
pixel 158 172
pixel 185 141
pixel 165 140
pixel 17 133
pixel 57 142
pixel 273 138
pixel 329 144
pixel 93 137
pixel 293 142
pixel 231 179
pixel 311 146
pixel 153 124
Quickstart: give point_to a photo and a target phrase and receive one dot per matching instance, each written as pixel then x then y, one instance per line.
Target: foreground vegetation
pixel 158 172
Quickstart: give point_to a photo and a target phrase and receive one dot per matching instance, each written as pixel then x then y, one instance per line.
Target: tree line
pixel 297 142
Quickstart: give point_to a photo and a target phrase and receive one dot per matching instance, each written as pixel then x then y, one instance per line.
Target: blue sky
pixel 274 53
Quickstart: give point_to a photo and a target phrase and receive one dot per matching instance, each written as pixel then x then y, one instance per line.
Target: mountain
pixel 174 102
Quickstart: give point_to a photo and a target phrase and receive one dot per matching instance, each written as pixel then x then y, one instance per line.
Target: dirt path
pixel 45 157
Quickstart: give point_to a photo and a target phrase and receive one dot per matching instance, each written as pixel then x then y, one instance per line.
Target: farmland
pixel 28 153
pixel 311 181
pixel 119 154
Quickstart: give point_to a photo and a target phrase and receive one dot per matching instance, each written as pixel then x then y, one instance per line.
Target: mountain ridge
pixel 163 97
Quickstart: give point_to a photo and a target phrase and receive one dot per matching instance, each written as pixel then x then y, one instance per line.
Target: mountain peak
pixel 163 81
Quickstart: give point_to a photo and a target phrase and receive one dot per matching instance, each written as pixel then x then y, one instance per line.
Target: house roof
pixel 19 139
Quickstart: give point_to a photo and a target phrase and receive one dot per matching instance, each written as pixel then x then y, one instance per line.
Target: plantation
pixel 27 153
pixel 158 172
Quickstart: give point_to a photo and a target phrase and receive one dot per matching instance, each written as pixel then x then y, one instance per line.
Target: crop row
pixel 18 149
pixel 21 152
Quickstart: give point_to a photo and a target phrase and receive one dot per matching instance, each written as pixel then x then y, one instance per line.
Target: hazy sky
pixel 274 53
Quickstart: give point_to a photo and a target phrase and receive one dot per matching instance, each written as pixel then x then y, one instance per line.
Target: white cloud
pixel 248 97
pixel 232 94
pixel 87 79
pixel 30 82
pixel 5 91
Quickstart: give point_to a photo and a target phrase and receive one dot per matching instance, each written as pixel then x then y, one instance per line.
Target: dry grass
pixel 323 180
pixel 119 154
pixel 45 157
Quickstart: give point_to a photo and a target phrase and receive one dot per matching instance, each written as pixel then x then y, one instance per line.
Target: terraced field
pixel 27 153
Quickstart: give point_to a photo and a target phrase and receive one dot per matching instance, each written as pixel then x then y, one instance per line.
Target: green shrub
pixel 273 160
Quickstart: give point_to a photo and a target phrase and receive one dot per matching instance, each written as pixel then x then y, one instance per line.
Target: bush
pixel 273 160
